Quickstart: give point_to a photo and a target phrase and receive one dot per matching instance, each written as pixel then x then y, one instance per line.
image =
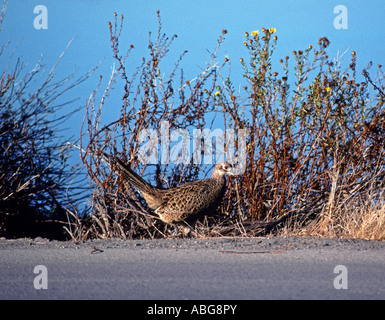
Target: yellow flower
pixel 246 34
pixel 244 42
pixel 272 30
pixel 241 60
pixel 216 94
pixel 254 33
pixel 327 89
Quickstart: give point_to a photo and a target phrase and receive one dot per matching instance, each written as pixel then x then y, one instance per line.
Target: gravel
pixel 261 243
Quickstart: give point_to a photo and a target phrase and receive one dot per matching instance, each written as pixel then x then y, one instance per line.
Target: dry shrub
pixel 154 103
pixel 310 140
pixel 315 138
pixel 296 135
pixel 36 180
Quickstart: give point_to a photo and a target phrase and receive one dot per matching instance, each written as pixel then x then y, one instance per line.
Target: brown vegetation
pixel 315 143
pixel 313 153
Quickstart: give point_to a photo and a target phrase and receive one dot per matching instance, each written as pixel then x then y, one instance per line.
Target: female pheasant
pixel 185 203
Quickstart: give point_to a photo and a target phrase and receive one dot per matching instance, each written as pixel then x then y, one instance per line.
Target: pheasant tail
pixel 137 181
pixel 131 176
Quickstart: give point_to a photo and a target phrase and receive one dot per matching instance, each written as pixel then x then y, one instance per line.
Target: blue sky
pixel 197 23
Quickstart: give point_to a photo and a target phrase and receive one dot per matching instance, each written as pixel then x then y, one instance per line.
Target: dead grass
pixel 362 217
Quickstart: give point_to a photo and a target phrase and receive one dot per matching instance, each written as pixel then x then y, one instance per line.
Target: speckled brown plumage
pixel 185 203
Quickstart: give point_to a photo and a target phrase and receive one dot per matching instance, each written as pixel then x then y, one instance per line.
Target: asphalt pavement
pixel 216 268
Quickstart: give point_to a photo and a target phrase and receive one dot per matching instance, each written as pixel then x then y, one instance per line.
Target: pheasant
pixel 185 203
